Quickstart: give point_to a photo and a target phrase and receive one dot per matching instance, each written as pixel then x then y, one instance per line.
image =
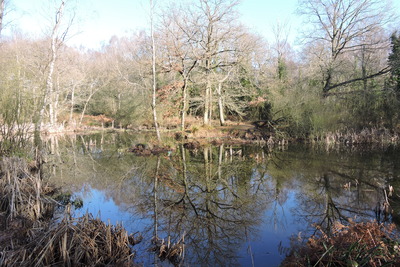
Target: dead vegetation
pixel 173 252
pixel 85 241
pixel 29 236
pixel 22 192
pixel 367 136
pixel 356 244
pixel 145 150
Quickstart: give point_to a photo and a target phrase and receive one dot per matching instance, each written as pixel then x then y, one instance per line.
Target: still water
pixel 234 205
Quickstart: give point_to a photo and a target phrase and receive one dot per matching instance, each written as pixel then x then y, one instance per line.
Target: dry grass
pixel 22 193
pixel 84 241
pixel 30 238
pixel 357 244
pixel 367 136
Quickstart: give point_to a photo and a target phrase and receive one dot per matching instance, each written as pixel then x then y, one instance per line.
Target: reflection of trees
pixel 333 191
pixel 274 172
pixel 206 199
pixel 217 196
pixel 321 208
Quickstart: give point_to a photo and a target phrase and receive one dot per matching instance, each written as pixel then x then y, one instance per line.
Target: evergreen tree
pixel 394 63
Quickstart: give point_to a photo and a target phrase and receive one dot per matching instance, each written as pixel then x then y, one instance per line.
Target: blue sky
pixel 98 20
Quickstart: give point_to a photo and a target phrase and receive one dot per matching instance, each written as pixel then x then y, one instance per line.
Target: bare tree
pixel 49 82
pixel 2 7
pixel 281 46
pixel 341 26
pixel 179 44
pixel 220 98
pixel 58 34
pixel 203 44
pixel 228 78
pixel 153 67
pixel 6 8
pixel 216 25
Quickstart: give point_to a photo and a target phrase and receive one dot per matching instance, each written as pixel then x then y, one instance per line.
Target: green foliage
pixel 394 63
pixel 306 113
pixel 14 116
pixel 282 70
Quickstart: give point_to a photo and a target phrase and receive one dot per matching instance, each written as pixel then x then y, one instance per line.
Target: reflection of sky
pixel 287 199
pixel 265 248
pixel 96 203
pixel 277 227
pixel 278 224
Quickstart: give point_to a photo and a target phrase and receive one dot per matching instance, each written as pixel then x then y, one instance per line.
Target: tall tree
pixel 59 31
pixel 50 96
pixel 341 25
pixel 153 68
pixel 216 27
pixel 281 48
pixel 394 62
pixel 180 49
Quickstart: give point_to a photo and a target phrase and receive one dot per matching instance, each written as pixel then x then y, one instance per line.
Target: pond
pixel 234 205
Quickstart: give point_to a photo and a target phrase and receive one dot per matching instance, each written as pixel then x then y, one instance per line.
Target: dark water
pixel 234 205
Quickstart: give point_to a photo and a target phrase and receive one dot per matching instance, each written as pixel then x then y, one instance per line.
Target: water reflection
pixel 234 205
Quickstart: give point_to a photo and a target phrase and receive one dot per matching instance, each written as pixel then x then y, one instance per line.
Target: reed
pixel 367 136
pixel 84 241
pixel 22 193
pixel 31 237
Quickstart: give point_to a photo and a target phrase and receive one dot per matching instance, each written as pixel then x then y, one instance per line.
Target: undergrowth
pixel 356 244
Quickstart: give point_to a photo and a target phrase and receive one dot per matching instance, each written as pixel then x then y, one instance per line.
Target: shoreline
pixel 246 133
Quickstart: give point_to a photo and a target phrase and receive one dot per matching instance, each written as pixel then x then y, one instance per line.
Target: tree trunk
pixel 206 102
pixel 87 102
pixel 84 110
pixel 49 81
pixel 48 98
pixel 210 105
pixel 220 100
pixel 184 104
pixel 220 105
pixel 328 81
pixel 153 63
pixel 71 111
pixel 364 69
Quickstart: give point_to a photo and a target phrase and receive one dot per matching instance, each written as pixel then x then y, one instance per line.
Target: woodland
pixel 199 63
pixel 195 68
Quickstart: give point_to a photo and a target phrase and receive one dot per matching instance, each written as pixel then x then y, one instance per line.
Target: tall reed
pixel 22 192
